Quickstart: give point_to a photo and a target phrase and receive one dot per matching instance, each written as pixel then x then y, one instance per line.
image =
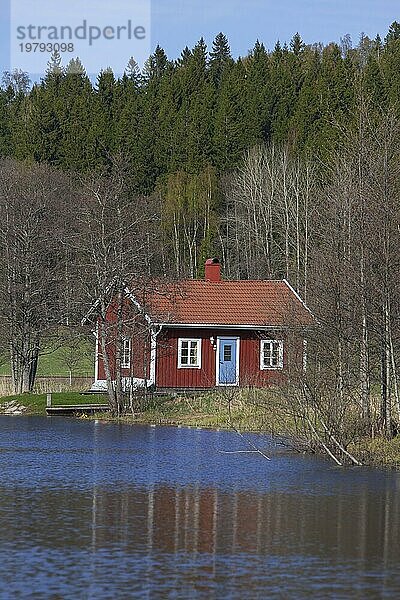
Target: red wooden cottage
pixel 200 334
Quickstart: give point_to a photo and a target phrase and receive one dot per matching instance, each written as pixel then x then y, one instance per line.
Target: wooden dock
pixel 76 409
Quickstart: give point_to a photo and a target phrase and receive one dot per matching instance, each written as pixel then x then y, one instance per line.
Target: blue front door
pixel 227 367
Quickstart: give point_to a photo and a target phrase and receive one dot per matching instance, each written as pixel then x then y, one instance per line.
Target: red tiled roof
pixel 255 303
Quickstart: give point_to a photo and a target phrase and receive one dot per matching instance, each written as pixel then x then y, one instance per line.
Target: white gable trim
pixel 92 309
pixel 136 303
pixel 298 298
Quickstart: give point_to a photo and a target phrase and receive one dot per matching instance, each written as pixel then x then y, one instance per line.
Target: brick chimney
pixel 212 270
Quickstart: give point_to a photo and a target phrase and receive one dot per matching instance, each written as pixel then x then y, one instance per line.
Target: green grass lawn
pixel 57 363
pixel 36 403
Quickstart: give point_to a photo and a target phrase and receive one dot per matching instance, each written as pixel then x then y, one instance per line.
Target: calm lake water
pixel 106 511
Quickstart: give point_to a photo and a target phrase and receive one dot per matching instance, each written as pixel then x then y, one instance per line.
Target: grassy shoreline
pixel 35 404
pixel 215 411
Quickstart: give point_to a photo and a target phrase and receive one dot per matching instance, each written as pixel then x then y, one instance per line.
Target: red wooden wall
pixel 135 328
pixel 169 376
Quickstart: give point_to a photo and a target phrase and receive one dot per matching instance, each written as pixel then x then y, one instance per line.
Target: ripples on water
pixel 105 511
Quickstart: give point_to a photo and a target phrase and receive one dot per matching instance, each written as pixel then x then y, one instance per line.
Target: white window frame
pixel 265 367
pixel 126 353
pixel 190 341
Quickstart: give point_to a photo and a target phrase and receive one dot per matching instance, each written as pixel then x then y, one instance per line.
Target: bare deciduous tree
pixel 267 225
pixel 111 246
pixel 32 202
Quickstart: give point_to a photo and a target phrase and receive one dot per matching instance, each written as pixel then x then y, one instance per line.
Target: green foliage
pixel 132 72
pixel 220 58
pixel 296 44
pixel 393 33
pixel 5 134
pixel 257 101
pixel 201 110
pixel 190 219
pixel 54 66
pixel 75 115
pixel 230 137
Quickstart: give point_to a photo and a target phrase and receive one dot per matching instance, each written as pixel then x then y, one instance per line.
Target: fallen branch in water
pixel 325 447
pixel 238 451
pixel 340 446
pixel 255 449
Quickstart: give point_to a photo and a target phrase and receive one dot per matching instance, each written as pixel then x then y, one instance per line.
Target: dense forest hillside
pixel 283 163
pixel 199 112
pixel 182 126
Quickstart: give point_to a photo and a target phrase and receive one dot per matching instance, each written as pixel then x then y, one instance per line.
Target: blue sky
pixel 177 23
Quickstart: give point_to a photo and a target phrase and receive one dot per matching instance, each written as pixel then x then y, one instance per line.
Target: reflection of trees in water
pixel 198 520
pixel 201 520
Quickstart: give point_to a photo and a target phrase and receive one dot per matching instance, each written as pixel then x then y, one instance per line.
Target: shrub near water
pixel 378 451
pixel 252 410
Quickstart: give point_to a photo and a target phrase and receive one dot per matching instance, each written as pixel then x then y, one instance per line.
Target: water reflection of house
pixel 198 520
pixel 347 525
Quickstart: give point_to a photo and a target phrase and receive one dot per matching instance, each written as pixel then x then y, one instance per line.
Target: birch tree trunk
pixel 364 358
pixel 105 356
pixel 118 351
pixel 386 408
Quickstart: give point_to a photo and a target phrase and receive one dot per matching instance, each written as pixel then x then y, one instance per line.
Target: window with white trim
pixel 189 353
pixel 126 353
pixel 271 354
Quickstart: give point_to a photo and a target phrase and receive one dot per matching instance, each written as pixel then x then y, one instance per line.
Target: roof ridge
pixel 233 280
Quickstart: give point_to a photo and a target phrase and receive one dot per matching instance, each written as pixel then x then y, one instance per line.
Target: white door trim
pixel 227 337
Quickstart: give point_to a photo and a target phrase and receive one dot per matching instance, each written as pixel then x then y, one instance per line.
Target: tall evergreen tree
pixel 193 96
pixel 296 44
pixel 200 110
pixel 184 57
pixel 133 72
pixel 75 67
pixel 5 137
pixel 54 66
pixel 156 65
pixel 394 33
pixel 230 138
pixel 102 131
pixel 374 84
pixel 305 122
pixel 76 116
pixel 257 105
pixel 220 58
